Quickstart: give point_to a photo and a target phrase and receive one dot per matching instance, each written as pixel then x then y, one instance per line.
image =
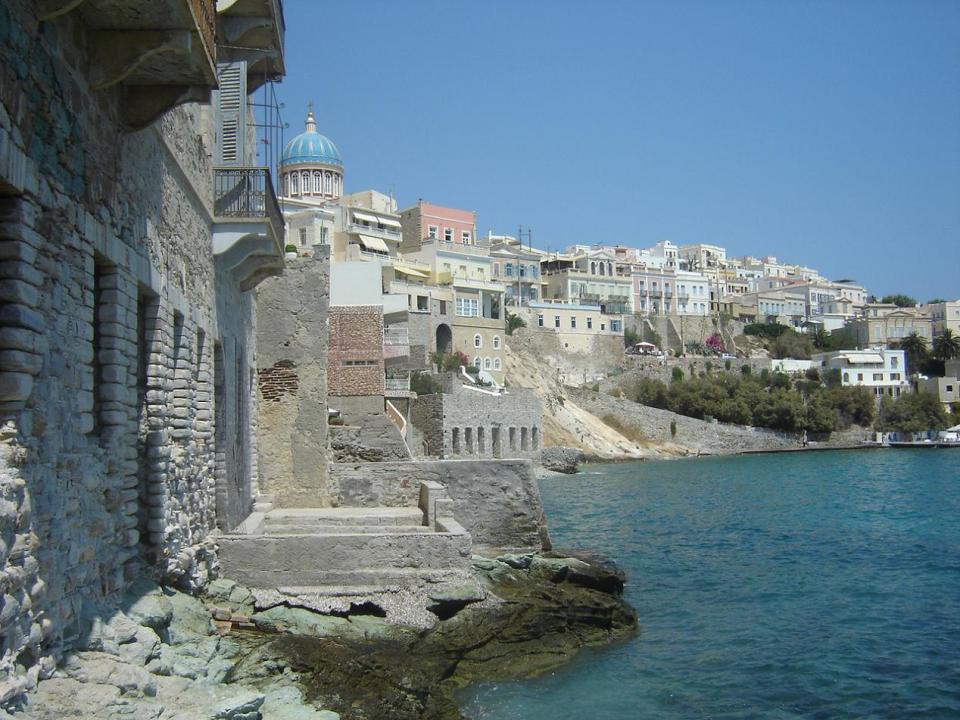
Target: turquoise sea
pixel 800 585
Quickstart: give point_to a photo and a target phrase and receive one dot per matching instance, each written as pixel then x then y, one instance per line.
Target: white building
pixel 880 370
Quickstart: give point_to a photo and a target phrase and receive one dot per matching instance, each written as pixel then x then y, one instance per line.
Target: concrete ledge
pixel 304 560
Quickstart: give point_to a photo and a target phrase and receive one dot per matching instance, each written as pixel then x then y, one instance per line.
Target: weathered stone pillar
pixel 292 339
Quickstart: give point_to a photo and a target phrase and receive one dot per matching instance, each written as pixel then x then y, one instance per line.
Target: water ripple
pixel 821 585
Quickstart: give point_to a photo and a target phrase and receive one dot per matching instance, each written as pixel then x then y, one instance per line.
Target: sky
pixel 822 133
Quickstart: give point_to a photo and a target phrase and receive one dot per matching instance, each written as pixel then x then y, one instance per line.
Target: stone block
pixel 15 386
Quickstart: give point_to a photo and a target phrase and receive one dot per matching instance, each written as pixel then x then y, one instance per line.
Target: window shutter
pixel 231 112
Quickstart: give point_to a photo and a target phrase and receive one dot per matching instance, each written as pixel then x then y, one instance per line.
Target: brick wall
pixel 356 336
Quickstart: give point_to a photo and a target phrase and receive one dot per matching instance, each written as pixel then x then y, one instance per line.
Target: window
pixel 423 302
pixel 317 183
pixel 508 270
pixel 447 235
pixel 573 322
pixel 477 341
pixel 893 362
pixel 476 362
pixel 878 377
pixel 846 377
pixel 496 269
pixel 616 326
pixel 443 307
pixel 556 321
pixel 859 377
pixel 487 363
pixel 323 236
pixel 462 271
pixel 467 307
pixel 540 320
pixel 432 231
pixel 465 237
pixel 359 363
pixel 306 182
pixel 303 237
pixel 603 326
pixel 496 363
pixel 294 184
pixel 496 342
pixel 589 323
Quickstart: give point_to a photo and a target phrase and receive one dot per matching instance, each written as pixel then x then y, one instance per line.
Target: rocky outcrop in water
pixel 164 655
pixel 561 459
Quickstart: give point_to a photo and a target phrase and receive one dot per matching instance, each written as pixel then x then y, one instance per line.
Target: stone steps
pixel 352 516
pixel 338 529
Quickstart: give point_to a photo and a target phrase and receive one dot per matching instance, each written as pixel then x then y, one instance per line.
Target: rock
pixel 286 703
pixel 146 604
pixel 220 589
pixel 243 705
pixel 190 619
pixel 301 622
pixel 447 601
pixel 144 647
pixel 103 669
pixel 561 459
pixel 520 562
pixel 124 629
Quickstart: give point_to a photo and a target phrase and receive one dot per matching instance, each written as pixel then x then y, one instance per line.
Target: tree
pixel 916 348
pixel 819 337
pixel 791 344
pixel 946 345
pixel 912 413
pixel 514 322
pixel 630 337
pixel 899 300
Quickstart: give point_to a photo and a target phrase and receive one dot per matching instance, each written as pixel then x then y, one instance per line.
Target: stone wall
pixel 356 350
pixel 497 501
pixel 464 422
pixel 699 436
pixel 121 343
pixel 292 344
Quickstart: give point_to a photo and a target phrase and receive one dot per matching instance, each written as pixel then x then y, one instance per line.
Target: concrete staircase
pixel 349 550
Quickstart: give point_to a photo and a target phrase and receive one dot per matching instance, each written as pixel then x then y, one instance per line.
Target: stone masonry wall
pixel 115 357
pixel 356 350
pixel 292 344
pixel 468 422
pixel 497 501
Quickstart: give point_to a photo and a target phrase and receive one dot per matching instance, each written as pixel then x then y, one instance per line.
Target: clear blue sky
pixel 825 133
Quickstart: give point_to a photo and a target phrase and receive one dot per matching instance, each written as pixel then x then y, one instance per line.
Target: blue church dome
pixel 311 147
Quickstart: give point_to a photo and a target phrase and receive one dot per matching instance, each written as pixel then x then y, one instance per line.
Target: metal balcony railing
pixel 244 193
pixel 397 384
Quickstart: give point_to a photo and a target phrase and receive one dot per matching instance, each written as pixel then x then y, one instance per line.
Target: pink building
pixel 428 222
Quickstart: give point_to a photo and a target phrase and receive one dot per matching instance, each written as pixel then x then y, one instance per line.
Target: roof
pixel 311 147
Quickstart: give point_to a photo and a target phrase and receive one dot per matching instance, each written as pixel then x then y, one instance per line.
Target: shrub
pixel 514 322
pixel 423 384
pixel 745 370
pixel 715 343
pixel 628 431
pixel 727 364
pixel 676 374
pixel 673 428
pixel 290 248
pixel 767 330
pixel 450 362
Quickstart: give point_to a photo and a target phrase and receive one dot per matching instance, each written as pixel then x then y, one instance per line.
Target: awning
pixel 375 244
pixel 364 217
pixel 390 222
pixel 863 358
pixel 410 271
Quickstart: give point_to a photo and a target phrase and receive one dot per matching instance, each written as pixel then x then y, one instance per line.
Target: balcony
pixel 253 31
pixel 397 386
pixel 248 225
pixel 478 249
pixel 158 54
pixel 374 231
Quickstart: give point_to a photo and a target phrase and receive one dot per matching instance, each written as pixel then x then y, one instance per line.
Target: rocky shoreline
pixel 225 655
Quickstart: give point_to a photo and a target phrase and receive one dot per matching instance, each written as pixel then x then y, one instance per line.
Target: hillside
pixel 612 428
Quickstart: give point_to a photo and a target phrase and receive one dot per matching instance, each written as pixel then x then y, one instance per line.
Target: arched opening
pixel 444 337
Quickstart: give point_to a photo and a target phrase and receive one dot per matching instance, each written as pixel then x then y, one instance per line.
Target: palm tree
pixel 916 348
pixel 946 345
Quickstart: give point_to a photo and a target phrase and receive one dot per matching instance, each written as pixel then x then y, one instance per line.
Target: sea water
pixel 801 585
